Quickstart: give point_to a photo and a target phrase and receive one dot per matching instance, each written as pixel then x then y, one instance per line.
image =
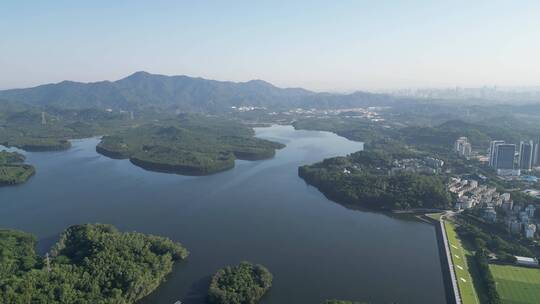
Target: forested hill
pixel 143 89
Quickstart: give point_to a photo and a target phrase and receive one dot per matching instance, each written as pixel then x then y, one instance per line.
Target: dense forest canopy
pixel 362 179
pixel 245 283
pixel 89 264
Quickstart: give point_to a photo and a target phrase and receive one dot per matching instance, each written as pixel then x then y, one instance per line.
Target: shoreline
pixel 452 292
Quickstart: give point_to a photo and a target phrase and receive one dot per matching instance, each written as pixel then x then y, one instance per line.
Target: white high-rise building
pixel 536 153
pixel 463 147
pixel 526 150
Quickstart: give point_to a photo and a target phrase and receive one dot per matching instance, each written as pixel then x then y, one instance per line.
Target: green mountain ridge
pixel 184 93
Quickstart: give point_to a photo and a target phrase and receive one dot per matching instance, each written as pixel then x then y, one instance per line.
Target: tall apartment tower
pixel 526 156
pixel 505 154
pixel 463 147
pixel 536 152
pixel 493 152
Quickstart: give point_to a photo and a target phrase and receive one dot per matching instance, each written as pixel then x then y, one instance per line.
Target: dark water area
pixel 260 211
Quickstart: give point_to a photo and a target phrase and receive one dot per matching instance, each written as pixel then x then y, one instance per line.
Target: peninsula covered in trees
pixel 367 179
pixel 242 284
pixel 189 145
pixel 89 264
pixel 13 170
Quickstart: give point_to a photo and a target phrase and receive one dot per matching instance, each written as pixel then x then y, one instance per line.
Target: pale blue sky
pixel 320 45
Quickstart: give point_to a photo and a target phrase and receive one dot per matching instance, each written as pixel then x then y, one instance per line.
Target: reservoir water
pixel 259 211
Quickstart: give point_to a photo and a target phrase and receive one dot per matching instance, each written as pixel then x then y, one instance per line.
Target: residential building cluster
pixel 287 116
pixel 470 194
pixel 426 165
pixel 493 205
pixel 369 113
pixel 491 93
pixel 247 108
pixel 521 220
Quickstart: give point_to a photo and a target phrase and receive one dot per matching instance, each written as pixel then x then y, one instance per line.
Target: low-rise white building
pixel 525 261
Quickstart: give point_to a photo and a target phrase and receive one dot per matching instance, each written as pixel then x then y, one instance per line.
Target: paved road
pixel 450 263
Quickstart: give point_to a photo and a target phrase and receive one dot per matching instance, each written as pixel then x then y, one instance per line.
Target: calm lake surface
pixel 259 211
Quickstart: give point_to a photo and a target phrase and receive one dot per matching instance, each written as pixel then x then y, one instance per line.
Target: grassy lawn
pixel 517 285
pixel 459 258
pixel 435 216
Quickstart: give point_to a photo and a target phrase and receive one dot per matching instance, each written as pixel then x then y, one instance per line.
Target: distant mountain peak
pixel 141 73
pixel 138 74
pixel 259 81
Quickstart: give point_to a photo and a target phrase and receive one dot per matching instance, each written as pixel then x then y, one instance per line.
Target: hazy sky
pixel 320 45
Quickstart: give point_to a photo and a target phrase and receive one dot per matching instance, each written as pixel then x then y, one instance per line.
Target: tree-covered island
pixel 242 284
pixel 190 145
pixel 89 264
pixel 13 170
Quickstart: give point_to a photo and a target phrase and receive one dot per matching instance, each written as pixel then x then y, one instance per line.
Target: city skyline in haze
pixel 343 46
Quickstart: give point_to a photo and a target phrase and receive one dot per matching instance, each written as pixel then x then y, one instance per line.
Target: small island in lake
pixel 13 170
pixel 190 145
pixel 89 264
pixel 387 178
pixel 242 284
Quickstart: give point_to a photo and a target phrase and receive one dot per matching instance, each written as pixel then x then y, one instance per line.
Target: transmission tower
pixel 48 262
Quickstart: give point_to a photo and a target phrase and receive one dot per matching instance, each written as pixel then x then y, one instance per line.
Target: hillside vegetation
pixel 32 129
pixel 438 138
